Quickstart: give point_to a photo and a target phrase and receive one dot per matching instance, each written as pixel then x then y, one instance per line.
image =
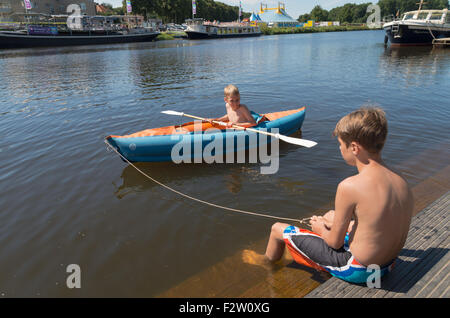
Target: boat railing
pixel 234 24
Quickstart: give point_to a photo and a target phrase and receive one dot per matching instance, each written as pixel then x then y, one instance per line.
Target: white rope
pixel 429 29
pixel 304 221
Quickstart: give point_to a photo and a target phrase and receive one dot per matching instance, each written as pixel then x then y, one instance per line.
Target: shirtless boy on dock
pixel 373 211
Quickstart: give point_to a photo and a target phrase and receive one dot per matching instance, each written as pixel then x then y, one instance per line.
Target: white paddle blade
pixel 172 112
pixel 298 141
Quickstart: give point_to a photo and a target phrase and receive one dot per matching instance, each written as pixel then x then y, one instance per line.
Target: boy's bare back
pixel 383 209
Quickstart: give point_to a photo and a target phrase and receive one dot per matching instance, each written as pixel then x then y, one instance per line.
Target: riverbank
pixel 342 28
pixel 164 36
pixel 171 35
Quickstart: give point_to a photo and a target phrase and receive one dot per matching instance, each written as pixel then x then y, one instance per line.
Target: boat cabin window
pixel 436 16
pixel 194 22
pixel 408 16
pixel 422 15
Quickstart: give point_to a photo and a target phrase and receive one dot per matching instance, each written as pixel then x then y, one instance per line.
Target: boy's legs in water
pixel 276 245
pixel 274 251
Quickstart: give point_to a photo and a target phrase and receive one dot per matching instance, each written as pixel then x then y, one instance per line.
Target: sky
pixel 293 7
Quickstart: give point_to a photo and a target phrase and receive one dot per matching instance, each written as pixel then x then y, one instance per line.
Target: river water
pixel 66 200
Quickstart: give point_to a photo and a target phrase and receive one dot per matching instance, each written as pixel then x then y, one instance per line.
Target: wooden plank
pixel 416 271
pixel 432 282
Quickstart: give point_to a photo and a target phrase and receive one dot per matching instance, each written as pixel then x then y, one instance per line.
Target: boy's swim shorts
pixel 309 249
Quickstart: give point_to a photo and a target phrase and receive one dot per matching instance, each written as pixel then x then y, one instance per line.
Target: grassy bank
pixel 271 31
pixel 164 36
pixel 170 35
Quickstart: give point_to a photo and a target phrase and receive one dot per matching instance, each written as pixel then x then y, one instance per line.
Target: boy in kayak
pixel 237 113
pixel 373 211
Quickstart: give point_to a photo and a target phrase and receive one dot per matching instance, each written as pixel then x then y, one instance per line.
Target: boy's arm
pixel 223 118
pixel 249 117
pixel 345 204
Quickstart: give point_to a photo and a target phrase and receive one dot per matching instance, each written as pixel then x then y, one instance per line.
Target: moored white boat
pixel 418 27
pixel 200 29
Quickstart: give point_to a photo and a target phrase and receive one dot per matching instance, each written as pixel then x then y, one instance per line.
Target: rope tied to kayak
pixel 301 221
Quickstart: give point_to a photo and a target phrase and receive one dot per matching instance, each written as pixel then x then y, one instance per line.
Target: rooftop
pixel 277 14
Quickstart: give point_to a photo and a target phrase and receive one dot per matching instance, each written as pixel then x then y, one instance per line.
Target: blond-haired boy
pixel 237 113
pixel 373 210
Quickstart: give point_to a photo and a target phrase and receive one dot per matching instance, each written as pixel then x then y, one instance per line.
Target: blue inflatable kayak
pixel 195 139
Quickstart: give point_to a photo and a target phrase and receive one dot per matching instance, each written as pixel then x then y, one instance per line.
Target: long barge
pixel 23 39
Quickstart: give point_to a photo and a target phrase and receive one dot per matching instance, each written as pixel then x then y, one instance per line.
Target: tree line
pixel 357 13
pixel 179 10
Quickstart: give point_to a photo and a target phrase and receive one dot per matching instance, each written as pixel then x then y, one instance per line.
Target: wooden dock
pixel 443 42
pixel 422 269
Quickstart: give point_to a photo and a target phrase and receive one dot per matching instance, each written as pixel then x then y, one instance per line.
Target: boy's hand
pixel 318 224
pixel 229 125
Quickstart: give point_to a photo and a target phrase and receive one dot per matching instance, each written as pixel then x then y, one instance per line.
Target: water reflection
pixel 233 181
pixel 88 49
pixel 414 64
pixel 169 173
pixel 172 174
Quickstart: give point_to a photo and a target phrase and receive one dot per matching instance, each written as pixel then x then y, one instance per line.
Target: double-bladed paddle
pixel 292 140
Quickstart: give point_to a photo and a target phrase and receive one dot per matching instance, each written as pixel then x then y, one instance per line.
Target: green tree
pixel 360 13
pixel 390 7
pixel 304 17
pixel 319 14
pixel 347 13
pixel 179 10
